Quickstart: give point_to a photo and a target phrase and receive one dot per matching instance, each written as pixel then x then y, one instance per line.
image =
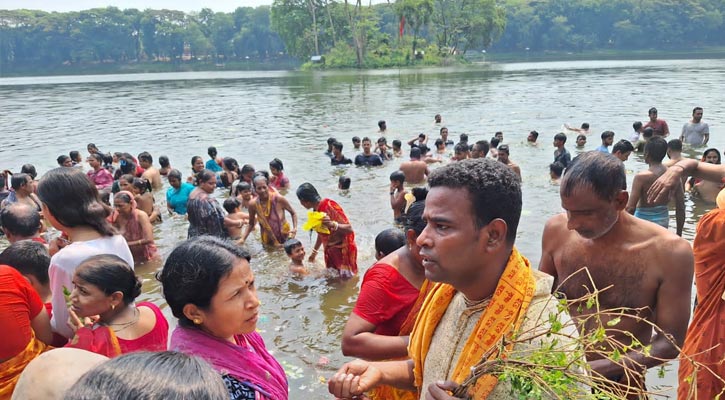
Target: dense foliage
pixel 353 34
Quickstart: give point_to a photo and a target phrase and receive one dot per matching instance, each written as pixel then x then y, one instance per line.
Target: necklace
pixel 269 207
pixel 123 325
pixel 474 303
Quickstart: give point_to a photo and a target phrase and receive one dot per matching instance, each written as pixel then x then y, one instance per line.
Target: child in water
pixel 296 252
pixel 236 218
pixel 243 193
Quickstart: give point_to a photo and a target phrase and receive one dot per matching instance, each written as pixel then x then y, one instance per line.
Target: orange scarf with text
pixel 503 316
pixel 11 369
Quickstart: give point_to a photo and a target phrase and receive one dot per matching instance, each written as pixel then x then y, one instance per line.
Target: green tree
pixel 417 14
pixel 462 24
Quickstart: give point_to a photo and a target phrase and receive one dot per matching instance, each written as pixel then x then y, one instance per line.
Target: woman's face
pixel 235 307
pixel 123 207
pixel 198 165
pixel 88 300
pixel 208 185
pixel 125 185
pixel 712 158
pixel 174 182
pixel 274 171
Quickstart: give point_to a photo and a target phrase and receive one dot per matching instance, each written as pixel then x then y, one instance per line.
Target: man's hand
pixel 661 188
pixel 354 379
pixel 441 390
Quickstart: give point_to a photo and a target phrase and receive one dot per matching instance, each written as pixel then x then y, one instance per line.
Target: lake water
pixel 256 116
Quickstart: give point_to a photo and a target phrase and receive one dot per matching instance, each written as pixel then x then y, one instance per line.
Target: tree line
pixel 352 33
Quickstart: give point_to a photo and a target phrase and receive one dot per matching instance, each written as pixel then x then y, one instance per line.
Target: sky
pixel 182 5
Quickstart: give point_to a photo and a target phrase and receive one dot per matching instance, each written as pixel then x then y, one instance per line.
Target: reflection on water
pixel 256 116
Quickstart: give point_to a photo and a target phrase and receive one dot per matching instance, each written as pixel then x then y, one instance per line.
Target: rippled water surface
pixel 256 116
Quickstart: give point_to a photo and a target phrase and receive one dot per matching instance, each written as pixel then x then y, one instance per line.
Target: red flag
pixel 402 24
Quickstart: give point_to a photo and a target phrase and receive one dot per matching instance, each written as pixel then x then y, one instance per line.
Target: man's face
pixel 336 152
pixel 444 134
pixel 531 138
pixel 697 116
pixel 609 140
pixel 503 157
pixel 450 245
pixel 383 126
pixel 144 164
pixel 653 116
pixel 68 162
pixel 356 144
pixel 476 152
pixel 580 142
pixel 587 214
pixel 438 119
pixel 499 136
pixel 558 143
pixel 623 156
pixel 366 146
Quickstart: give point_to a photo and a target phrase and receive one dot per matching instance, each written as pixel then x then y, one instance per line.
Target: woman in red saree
pixel 106 286
pixel 339 244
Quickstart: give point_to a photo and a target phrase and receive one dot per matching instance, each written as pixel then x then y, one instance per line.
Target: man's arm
pixel 548 239
pixel 665 183
pixel 665 129
pixel 679 209
pixel 706 135
pixel 357 377
pixel 672 312
pixel 635 194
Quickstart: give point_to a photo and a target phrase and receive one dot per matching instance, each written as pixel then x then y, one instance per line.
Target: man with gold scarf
pixel 484 289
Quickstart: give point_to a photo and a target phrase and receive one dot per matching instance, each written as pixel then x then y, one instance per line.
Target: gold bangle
pixel 314 251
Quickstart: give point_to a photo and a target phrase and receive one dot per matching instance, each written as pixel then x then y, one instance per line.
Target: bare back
pixel 415 171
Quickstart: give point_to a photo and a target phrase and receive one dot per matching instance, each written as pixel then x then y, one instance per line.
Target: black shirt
pixel 369 160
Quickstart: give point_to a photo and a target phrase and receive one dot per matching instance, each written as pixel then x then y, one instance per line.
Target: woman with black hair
pixel 206 216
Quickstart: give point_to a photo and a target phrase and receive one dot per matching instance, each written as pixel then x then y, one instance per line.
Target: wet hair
pixel 107 159
pixel 556 168
pixel 337 145
pixel 420 135
pixel 344 182
pixel 242 186
pixel 561 137
pixel 126 165
pixel 504 148
pixel 652 111
pixel 494 142
pixel 146 156
pixel 193 270
pixel 637 125
pixel 655 149
pixel 443 128
pixel 381 123
pixel 174 173
pixel 231 164
pixel 710 150
pixel 389 240
pixel 366 139
pixel 648 132
pixel 498 133
pixel 607 134
pixel 193 160
pixel 464 138
pixel 18 180
pixel 20 219
pixel 205 175
pixel 30 170
pixel 597 171
pixel 579 137
pixel 167 375
pixel 483 146
pixel 73 200
pixel 623 146
pixel 382 140
pixel 437 116
pixel 438 142
pixel 74 155
pixel 96 156
pixel 534 134
pixel 415 152
pixel 331 140
pixel 397 176
pixel 420 193
pixel 90 146
pixel 585 125
pixel 696 109
pixel 29 258
pixel 355 139
pixel 493 188
pixel 142 184
pixel 247 168
pixel 290 245
pixel 125 197
pixel 127 178
pixel 414 217
pixel 397 143
pixel 164 161
pixel 675 145
pixel 277 163
pixel 111 274
pixel 307 192
pixel 62 159
pixel 460 148
pixel 231 204
pixel 211 151
pixel 261 173
pixel 423 149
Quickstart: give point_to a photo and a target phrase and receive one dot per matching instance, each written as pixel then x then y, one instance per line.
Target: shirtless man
pixel 22 185
pixel 269 209
pixel 638 205
pixel 480 149
pixel 150 173
pixel 503 156
pixel 659 126
pixel 648 268
pixel 674 152
pixel 415 170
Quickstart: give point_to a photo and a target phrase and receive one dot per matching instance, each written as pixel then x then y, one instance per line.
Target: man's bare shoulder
pixel 556 224
pixel 653 240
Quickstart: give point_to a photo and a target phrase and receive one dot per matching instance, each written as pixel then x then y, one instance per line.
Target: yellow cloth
pixel 11 369
pixel 314 221
pixel 503 316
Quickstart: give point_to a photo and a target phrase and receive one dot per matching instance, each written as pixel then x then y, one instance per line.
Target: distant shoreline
pixel 288 64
